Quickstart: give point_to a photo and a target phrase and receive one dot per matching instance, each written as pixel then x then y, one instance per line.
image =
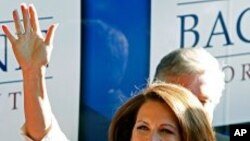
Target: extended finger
pixel 50 34
pixel 34 19
pixel 8 34
pixel 26 18
pixel 17 22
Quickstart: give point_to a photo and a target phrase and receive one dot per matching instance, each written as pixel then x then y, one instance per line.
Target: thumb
pixel 50 34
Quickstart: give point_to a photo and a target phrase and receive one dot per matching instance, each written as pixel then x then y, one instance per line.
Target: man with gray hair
pixel 198 71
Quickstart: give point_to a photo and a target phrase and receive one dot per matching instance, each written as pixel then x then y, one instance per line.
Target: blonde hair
pixel 193 120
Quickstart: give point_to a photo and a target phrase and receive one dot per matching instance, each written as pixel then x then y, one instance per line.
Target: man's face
pixel 201 86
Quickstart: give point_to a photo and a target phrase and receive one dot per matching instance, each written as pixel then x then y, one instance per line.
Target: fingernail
pixel 15 13
pixel 3 27
pixel 22 7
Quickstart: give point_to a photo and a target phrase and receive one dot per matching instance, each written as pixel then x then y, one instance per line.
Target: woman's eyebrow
pixel 169 125
pixel 142 121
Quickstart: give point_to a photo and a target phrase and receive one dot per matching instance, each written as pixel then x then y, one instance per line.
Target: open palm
pixel 31 49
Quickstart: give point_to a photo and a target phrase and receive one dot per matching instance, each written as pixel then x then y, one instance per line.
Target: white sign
pixel 63 72
pixel 222 27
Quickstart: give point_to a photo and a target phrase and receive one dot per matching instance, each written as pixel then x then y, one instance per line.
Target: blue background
pixel 109 74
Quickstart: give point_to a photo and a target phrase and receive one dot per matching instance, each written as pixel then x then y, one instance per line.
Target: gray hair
pixel 191 61
pixel 187 61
